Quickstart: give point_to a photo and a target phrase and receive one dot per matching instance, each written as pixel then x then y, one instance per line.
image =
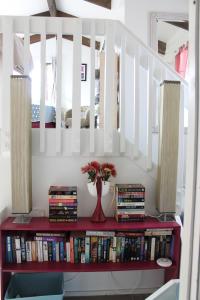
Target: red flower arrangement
pixel 95 169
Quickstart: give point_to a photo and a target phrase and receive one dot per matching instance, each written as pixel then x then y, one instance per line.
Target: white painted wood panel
pixel 102 88
pixel 58 84
pixel 109 86
pixel 136 99
pixel 7 70
pixel 122 95
pixel 42 86
pixel 26 64
pixel 92 85
pixel 150 95
pixel 76 89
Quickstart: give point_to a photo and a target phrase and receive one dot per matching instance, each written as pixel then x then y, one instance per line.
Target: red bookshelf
pixel 83 224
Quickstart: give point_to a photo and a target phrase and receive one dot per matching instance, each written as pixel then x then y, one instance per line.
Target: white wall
pixel 66 171
pixel 5 186
pixel 137 14
pixel 67 60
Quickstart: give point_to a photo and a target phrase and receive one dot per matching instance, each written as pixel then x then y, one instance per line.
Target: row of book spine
pixel 91 247
pixel 63 204
pixel 130 202
pixel 123 247
pixel 49 247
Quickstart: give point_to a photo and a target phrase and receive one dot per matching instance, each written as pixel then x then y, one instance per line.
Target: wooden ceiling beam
pixel 52 7
pixel 63 14
pixel 36 38
pixel 58 14
pixel 103 3
pixel 182 24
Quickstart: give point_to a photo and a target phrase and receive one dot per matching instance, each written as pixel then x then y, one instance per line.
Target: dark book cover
pixel 50 251
pixel 126 250
pixel 62 190
pixel 157 247
pixel 62 251
pixel 93 250
pixel 23 248
pixel 9 249
pixel 142 248
pixel 167 247
pixel 76 250
pixel 104 248
pixel 107 249
pixel 99 249
pixel 138 247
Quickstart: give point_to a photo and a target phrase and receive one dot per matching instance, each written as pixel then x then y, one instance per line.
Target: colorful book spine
pixel 124 246
pixel 9 250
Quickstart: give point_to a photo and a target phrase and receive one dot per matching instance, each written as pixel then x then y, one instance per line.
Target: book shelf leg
pixel 171 274
pixel 5 277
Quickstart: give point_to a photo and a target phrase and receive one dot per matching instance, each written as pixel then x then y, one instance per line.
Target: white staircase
pixel 141 72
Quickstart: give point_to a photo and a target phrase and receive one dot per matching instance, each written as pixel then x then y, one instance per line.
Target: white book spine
pixel 157 233
pixel 83 258
pixel 18 256
pixel 57 252
pixel 28 251
pixel 114 249
pixel 68 251
pixel 134 204
pixel 39 249
pixel 17 243
pixel 111 254
pixel 153 243
pixel 100 233
pixel 45 250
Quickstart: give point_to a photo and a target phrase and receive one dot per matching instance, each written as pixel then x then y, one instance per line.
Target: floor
pixel 113 297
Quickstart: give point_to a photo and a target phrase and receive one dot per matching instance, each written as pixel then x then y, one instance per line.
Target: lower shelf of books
pixel 93 267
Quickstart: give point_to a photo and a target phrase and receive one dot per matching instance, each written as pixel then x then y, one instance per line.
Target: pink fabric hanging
pixel 181 60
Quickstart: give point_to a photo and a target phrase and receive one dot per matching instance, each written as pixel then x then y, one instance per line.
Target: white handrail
pixel 150 51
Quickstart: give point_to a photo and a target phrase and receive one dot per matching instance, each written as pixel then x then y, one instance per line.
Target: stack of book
pixel 130 202
pixel 63 203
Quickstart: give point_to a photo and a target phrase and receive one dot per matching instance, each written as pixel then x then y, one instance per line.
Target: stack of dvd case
pixel 130 202
pixel 63 203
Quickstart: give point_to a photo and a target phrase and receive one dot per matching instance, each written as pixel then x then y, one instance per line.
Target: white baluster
pixel 149 112
pixel 122 95
pixel 58 84
pixel 136 101
pixel 157 112
pixel 76 88
pixel 92 85
pixel 43 84
pixel 26 63
pixel 109 87
pixel 7 70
